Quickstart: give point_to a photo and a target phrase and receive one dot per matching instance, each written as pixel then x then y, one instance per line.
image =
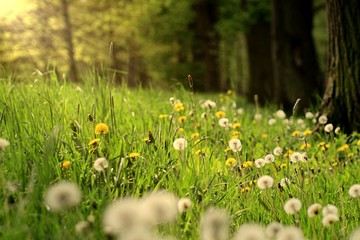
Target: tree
pixel 341 101
pixel 296 70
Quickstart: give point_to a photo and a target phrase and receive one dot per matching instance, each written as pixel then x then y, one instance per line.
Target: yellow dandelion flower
pixel 334 164
pixel 220 114
pixel 163 116
pixel 283 165
pixel 295 133
pixel 195 135
pixel 288 153
pixel 320 144
pixel 322 148
pixel 66 164
pixel 101 128
pixel 358 142
pixel 230 162
pixel 307 132
pixel 94 142
pixel 197 141
pixel 133 155
pixel 146 139
pixel 227 149
pixel 244 189
pixel 236 125
pixel 327 145
pixel 304 146
pixel 247 164
pixel 180 131
pixel 235 133
pixel 263 135
pixel 343 148
pixel 179 107
pixel 182 119
pixel 229 92
pixel 350 154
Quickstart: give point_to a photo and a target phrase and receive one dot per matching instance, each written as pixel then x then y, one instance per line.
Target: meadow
pixel 102 162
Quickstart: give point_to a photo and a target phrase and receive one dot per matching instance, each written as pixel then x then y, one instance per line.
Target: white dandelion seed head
pixel 265 182
pixel 285 182
pixel 184 204
pixel 258 117
pixel 314 210
pixel 240 111
pixel 290 233
pixel 296 157
pixel 235 145
pixel 215 224
pixel 269 158
pixel 61 196
pixel 278 151
pixel 224 122
pixel 355 235
pixel 101 164
pixel 260 162
pixel 329 209
pixel 204 115
pixel 286 121
pixel 323 119
pixel 329 219
pixel 309 115
pixel 354 191
pixel 303 157
pixel 250 231
pixel 280 114
pixel 162 206
pixel 82 227
pixel 337 130
pixel 272 229
pixel 180 144
pixel 292 206
pixel 329 128
pixel 301 123
pixel 3 144
pixel 272 121
pixel 208 104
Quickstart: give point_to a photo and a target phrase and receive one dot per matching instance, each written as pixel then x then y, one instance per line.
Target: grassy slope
pixel 39 121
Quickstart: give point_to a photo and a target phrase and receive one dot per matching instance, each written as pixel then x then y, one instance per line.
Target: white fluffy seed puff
pixel 250 232
pixel 314 210
pixel 354 191
pixel 180 144
pixel 215 225
pixel 101 164
pixel 265 182
pixel 3 144
pixel 235 145
pixel 292 206
pixel 61 196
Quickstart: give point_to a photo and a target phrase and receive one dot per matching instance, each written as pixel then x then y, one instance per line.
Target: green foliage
pixel 48 123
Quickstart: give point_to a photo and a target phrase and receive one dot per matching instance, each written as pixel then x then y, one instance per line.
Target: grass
pixel 48 123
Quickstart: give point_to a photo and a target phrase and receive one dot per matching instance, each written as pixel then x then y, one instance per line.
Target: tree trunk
pixel 137 71
pixel 69 41
pixel 206 44
pixel 341 101
pixel 296 70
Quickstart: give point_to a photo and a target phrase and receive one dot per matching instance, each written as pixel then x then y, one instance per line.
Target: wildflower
pixel 265 182
pixel 272 121
pixel 224 122
pixel 295 133
pixel 247 164
pixel 280 114
pixel 180 144
pixel 328 128
pixel 329 209
pixel 236 125
pixel 195 135
pixel 62 195
pixel 273 229
pixel 65 164
pixel 323 119
pixel 263 135
pixel 220 114
pixel 313 210
pixel 269 158
pixel 283 165
pixel 285 182
pixel 304 146
pixel 244 189
pixel 337 130
pixel 229 92
pixel 250 232
pixel 300 122
pixel 329 219
pixel 94 142
pixel 133 155
pixel 355 235
pixel 184 204
pixel 290 233
pixel 182 119
pixel 163 116
pixel 214 225
pixel 178 107
pixel 358 142
pixel 277 151
pixel 307 132
pixel 101 164
pixel 162 206
pixel 240 111
pixel 296 157
pixel 343 148
pixel 235 145
pixel 257 117
pixel 208 104
pixel 235 134
pixel 288 153
pixel 309 115
pixel 354 191
pixel 230 162
pixel 3 144
pixel 204 115
pixel 259 163
pixel 82 227
pixel 292 206
pixel 101 128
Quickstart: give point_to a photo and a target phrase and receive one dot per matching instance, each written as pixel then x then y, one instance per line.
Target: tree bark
pixel 206 44
pixel 73 74
pixel 296 70
pixel 341 101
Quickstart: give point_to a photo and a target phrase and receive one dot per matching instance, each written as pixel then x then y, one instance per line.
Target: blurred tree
pixel 341 101
pixel 296 70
